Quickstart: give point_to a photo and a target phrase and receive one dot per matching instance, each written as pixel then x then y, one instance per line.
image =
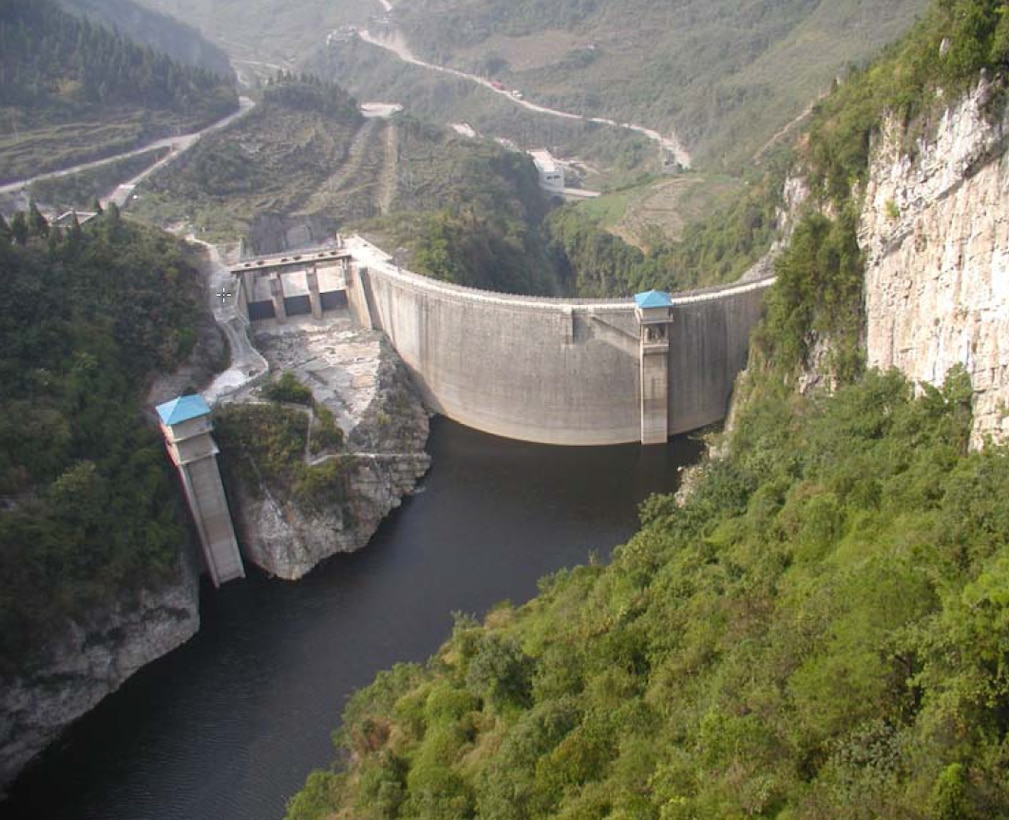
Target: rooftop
pixel 653 299
pixel 544 160
pixel 183 409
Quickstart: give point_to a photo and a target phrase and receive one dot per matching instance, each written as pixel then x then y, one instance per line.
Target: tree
pixel 19 227
pixel 38 225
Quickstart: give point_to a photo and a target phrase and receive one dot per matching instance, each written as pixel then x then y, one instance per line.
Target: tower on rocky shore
pixel 186 425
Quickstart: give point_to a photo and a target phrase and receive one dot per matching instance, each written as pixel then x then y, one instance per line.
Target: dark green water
pixel 229 725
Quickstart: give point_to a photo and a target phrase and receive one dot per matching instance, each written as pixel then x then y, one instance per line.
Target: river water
pixel 229 725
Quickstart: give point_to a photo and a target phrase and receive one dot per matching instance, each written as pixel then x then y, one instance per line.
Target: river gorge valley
pixel 229 725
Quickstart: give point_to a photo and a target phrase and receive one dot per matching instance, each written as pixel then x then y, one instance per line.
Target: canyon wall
pixel 89 661
pixel 935 233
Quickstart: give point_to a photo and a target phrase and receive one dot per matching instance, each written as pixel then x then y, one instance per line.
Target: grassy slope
pixel 726 76
pixel 372 73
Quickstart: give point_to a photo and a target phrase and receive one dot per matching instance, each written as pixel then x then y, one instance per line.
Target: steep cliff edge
pixel 91 660
pixel 934 231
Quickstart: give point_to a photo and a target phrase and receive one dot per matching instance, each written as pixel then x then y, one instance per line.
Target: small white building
pixel 550 170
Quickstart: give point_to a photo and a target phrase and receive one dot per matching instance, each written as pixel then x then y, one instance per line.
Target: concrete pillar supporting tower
pixel 312 279
pixel 277 294
pixel 655 311
pixel 186 425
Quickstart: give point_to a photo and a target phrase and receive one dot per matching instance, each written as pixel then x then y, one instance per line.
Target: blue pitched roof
pixel 182 409
pixel 653 299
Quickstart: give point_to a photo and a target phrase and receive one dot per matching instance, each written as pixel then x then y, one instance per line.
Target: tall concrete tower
pixel 655 311
pixel 185 423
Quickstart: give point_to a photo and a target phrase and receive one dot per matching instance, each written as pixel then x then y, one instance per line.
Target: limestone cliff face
pixel 935 233
pixel 88 662
pixel 358 376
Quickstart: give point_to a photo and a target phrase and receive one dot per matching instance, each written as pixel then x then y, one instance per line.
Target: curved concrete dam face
pixel 582 372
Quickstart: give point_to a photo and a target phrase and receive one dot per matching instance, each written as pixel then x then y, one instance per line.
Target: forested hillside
pixel 72 90
pixel 726 75
pixel 268 164
pixel 715 248
pixel 468 212
pixel 818 630
pixel 88 511
pixel 164 34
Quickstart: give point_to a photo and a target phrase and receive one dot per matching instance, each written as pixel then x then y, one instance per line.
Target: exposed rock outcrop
pixel 88 662
pixel 935 232
pixel 356 375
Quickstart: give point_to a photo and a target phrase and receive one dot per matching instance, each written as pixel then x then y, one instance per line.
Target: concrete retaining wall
pixel 554 371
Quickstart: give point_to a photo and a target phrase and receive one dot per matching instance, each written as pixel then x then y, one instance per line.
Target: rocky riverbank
pixel 356 375
pixel 89 661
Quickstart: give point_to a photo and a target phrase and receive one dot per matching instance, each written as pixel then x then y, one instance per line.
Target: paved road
pixel 123 191
pixel 247 363
pixel 395 42
pixel 178 145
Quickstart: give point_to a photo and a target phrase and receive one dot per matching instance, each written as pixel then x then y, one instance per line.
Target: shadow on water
pixel 229 725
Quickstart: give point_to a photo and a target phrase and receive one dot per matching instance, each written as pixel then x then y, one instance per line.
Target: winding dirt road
pixel 396 43
pixel 179 145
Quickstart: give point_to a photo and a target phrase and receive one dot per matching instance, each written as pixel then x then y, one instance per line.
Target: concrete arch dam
pixel 583 372
pixel 554 371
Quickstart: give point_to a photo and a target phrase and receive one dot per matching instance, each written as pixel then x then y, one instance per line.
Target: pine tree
pixel 38 225
pixel 19 227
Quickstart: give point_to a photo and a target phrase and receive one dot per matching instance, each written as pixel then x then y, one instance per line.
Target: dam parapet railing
pixel 366 254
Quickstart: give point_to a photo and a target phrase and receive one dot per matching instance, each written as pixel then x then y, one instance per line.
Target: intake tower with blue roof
pixel 186 425
pixel 655 312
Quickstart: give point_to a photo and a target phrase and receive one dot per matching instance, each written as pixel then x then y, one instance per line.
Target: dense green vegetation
pixel 468 212
pixel 938 60
pixel 71 90
pixel 88 510
pixel 817 632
